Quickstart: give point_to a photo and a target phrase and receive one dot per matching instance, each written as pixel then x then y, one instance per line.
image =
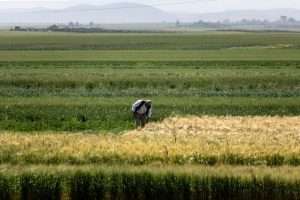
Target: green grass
pixel 198 64
pixel 99 82
pixel 251 54
pixel 170 182
pixel 113 114
pixel 59 81
pixel 80 82
pixel 146 41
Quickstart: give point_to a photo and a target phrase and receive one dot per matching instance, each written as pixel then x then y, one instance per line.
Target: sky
pixel 183 6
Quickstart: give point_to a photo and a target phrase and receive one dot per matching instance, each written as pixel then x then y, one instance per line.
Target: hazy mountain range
pixel 130 13
pixel 112 13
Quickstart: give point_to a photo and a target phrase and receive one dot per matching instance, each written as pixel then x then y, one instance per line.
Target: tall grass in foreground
pixel 147 183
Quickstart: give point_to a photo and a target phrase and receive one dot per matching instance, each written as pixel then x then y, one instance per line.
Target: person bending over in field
pixel 142 112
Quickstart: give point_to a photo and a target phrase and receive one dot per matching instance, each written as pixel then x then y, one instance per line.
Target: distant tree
pixel 244 21
pixel 226 21
pixel 17 28
pixel 71 25
pixel 53 27
pixel 283 19
pixel 292 20
pixel 266 21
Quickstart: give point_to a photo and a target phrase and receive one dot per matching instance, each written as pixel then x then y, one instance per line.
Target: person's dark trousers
pixel 140 119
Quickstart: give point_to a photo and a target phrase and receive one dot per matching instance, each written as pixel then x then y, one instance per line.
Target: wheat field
pixel 190 140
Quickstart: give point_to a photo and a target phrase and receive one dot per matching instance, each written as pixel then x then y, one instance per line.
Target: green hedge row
pixel 144 185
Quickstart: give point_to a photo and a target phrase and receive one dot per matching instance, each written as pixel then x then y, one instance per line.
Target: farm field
pixel 206 140
pixel 225 119
pixel 239 54
pixel 148 182
pixel 147 41
pixel 180 158
pixel 112 114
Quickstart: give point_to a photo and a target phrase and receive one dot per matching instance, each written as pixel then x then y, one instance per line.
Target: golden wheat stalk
pixel 173 140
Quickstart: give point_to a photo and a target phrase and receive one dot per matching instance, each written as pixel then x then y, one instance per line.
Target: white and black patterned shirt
pixel 140 107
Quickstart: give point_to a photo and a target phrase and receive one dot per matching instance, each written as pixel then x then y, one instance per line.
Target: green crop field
pixel 239 54
pixel 54 86
pixel 147 41
pixel 104 182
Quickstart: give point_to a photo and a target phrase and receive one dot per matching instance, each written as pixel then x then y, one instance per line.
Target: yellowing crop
pixel 190 140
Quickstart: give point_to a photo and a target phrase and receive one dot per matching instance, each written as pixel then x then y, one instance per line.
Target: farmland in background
pixel 66 125
pixel 69 82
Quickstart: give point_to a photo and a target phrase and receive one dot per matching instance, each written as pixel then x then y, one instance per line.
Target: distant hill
pixel 237 15
pixel 131 13
pixel 112 13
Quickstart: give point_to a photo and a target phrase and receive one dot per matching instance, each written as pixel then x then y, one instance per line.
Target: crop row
pixel 159 64
pixel 248 54
pixel 220 183
pixel 81 81
pixel 175 41
pixel 171 90
pixel 272 141
pixel 69 114
pixel 71 78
